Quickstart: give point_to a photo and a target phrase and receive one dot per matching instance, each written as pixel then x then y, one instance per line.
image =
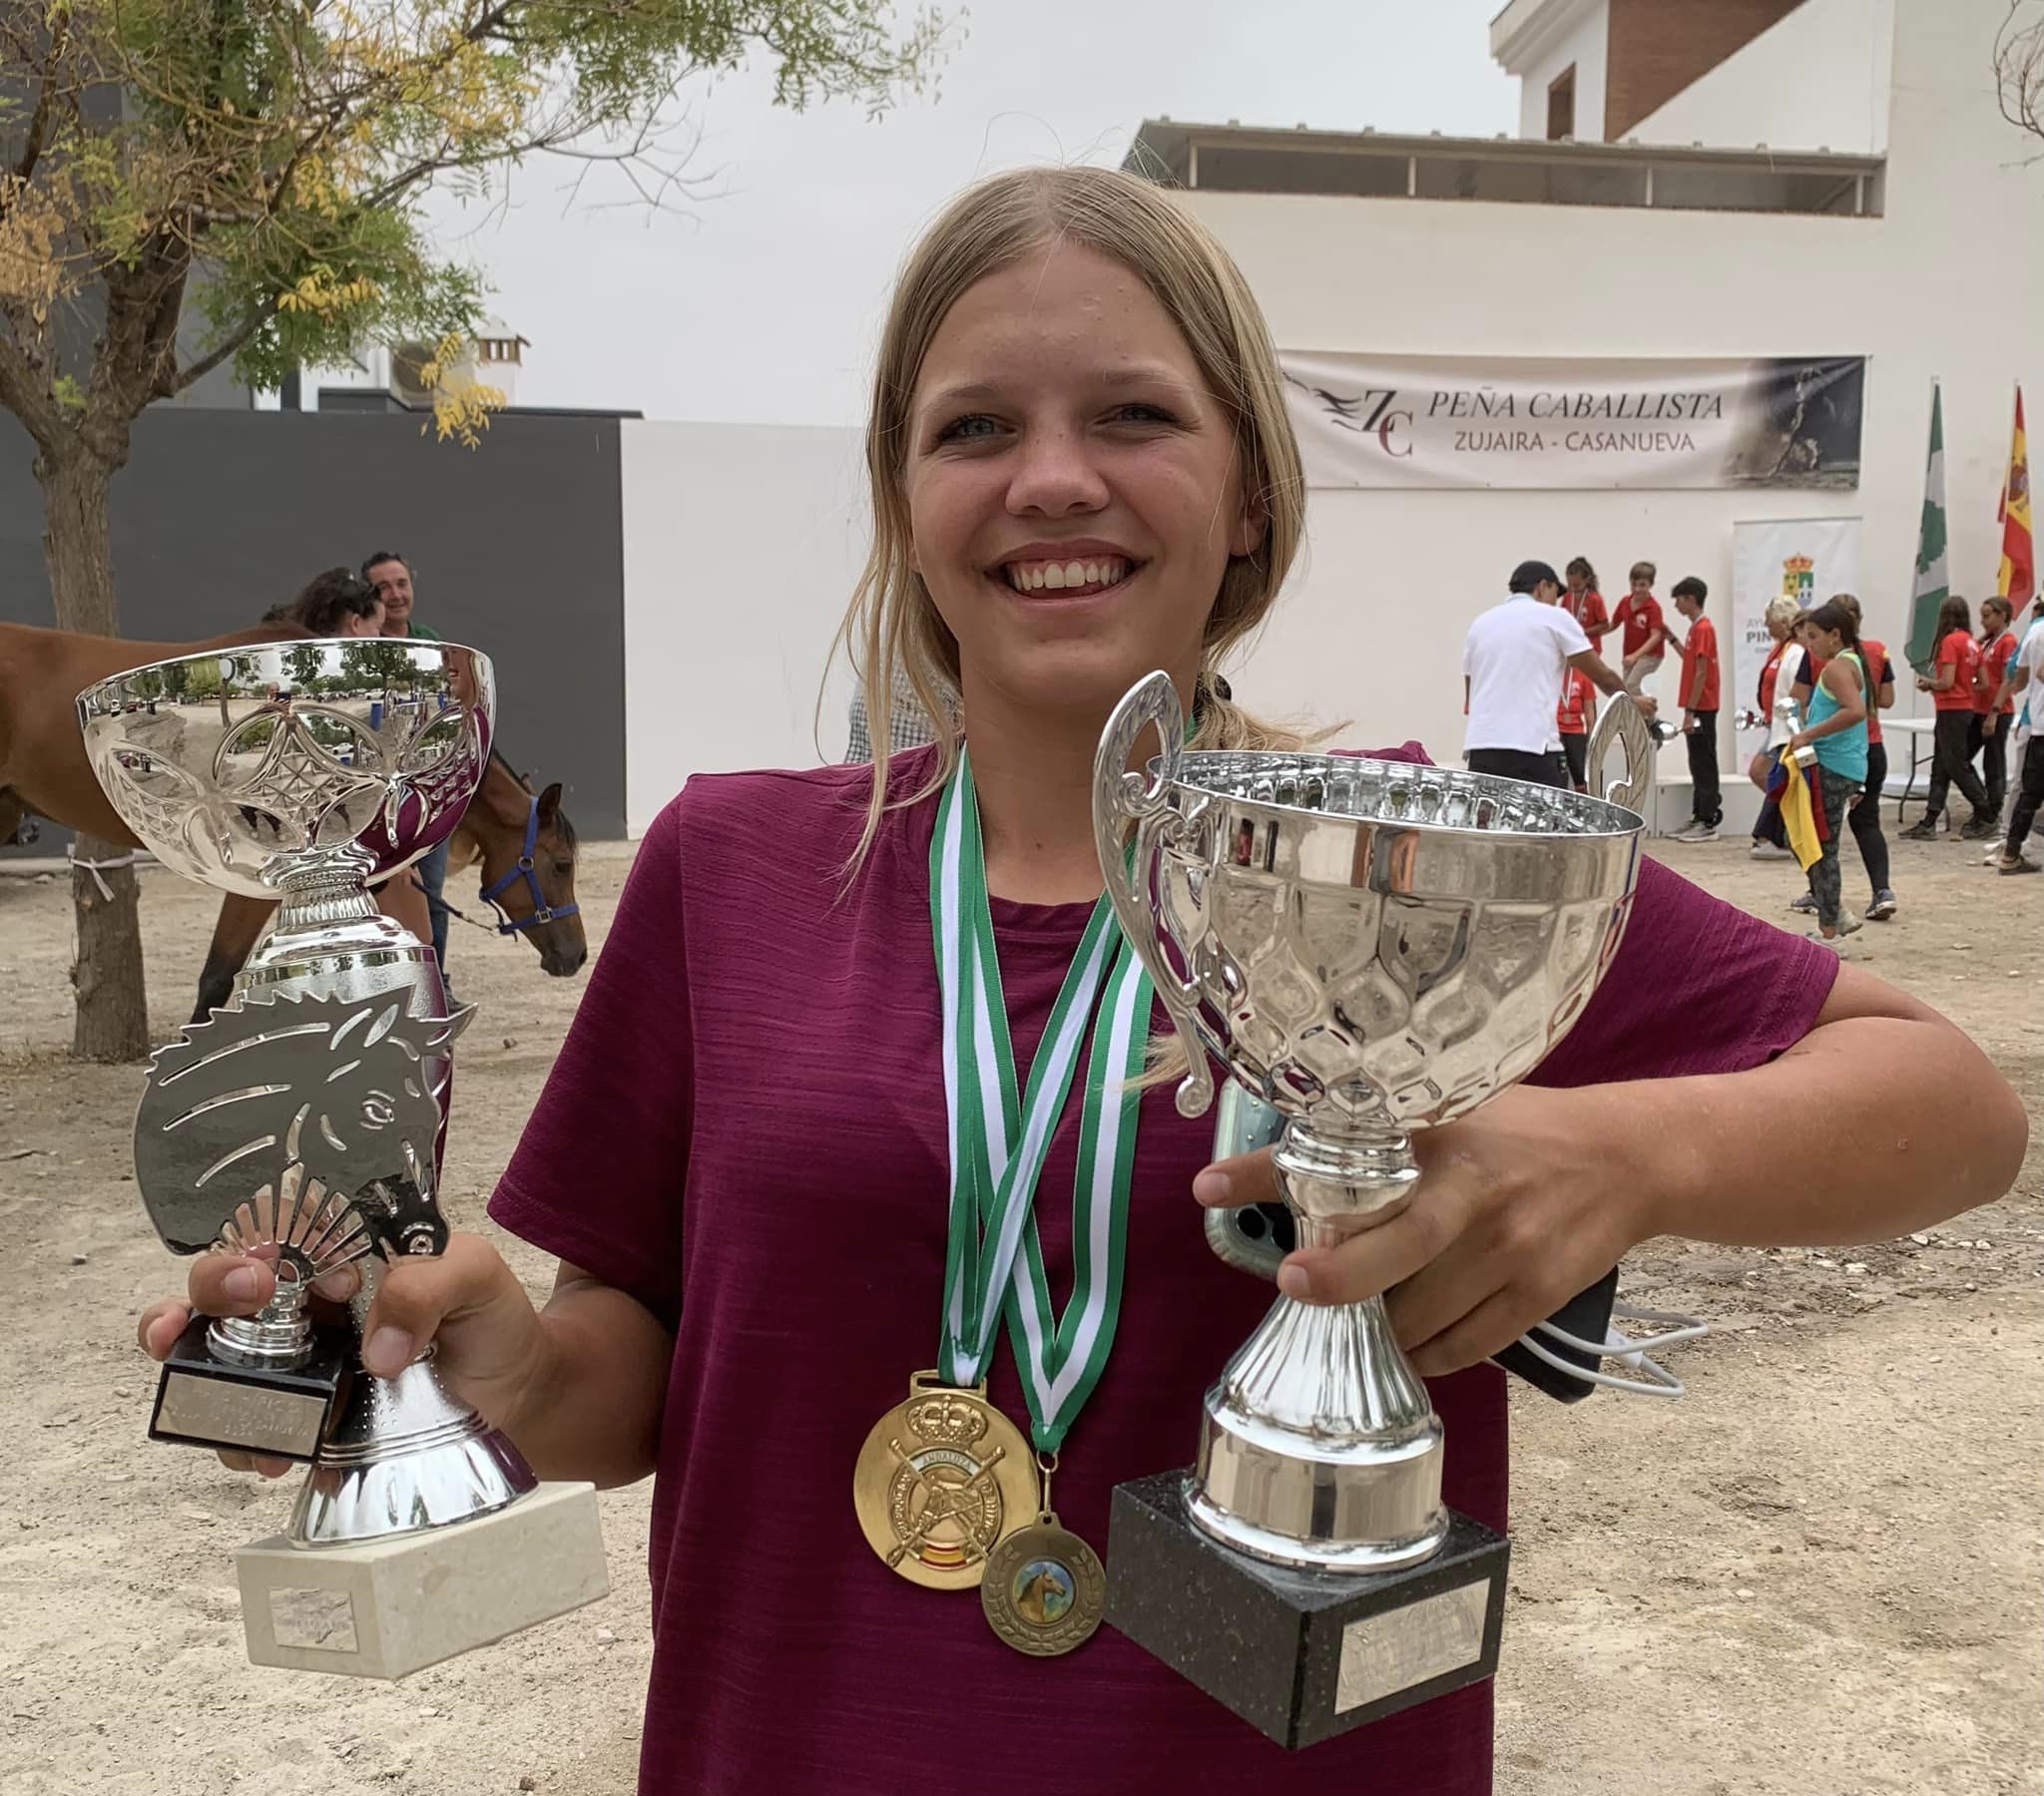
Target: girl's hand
pixel 1801 739
pixel 1525 1201
pixel 468 1300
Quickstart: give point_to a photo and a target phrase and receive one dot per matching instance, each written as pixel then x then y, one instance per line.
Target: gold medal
pixel 1044 1587
pixel 942 1478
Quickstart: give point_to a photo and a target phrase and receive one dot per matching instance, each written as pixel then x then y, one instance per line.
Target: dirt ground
pixel 1819 1575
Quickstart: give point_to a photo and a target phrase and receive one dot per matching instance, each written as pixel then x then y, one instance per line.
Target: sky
pixel 759 299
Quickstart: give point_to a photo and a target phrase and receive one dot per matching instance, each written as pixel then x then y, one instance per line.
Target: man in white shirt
pixel 1513 664
pixel 2026 682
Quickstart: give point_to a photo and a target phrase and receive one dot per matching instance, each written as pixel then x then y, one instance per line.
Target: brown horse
pixel 44 772
pixel 493 833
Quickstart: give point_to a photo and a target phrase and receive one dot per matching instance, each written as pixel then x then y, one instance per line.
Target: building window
pixel 1561 105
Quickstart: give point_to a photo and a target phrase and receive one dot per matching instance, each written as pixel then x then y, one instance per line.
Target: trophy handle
pixel 1621 721
pixel 1120 799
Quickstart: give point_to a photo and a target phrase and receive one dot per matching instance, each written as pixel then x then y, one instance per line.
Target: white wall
pixel 742 547
pixel 1372 627
pixel 1816 79
pixel 1583 43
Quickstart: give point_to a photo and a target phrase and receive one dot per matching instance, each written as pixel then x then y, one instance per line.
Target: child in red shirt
pixel 1646 629
pixel 1952 688
pixel 1991 703
pixel 1584 603
pixel 1572 718
pixel 1699 699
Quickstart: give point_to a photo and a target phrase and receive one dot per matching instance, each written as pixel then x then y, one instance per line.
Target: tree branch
pixel 24 393
pixel 39 120
pixel 221 351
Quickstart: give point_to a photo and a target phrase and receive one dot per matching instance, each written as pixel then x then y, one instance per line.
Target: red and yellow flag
pixel 2017 580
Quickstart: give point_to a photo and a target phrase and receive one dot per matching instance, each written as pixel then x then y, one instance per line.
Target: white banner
pixel 1804 559
pixel 1493 421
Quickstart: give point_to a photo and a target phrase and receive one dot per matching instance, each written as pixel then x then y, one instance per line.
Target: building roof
pixel 1522 28
pixel 1234 158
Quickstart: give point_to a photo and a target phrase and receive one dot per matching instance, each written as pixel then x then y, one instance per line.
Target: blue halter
pixel 506 924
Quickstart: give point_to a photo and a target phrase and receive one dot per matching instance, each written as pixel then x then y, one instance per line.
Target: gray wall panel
pixel 515 544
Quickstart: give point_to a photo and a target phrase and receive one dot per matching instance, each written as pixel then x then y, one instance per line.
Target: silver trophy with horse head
pixel 1368 947
pixel 304 1121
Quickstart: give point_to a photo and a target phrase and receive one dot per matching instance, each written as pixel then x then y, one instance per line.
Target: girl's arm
pixel 1900 1121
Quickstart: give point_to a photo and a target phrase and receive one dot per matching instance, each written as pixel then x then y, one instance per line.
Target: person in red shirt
pixel 1584 603
pixel 1646 629
pixel 768 1016
pixel 1993 706
pixel 1699 697
pixel 1573 717
pixel 1951 683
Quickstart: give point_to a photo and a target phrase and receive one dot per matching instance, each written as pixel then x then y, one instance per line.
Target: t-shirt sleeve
pixel 1949 651
pixel 1697 986
pixel 600 1170
pixel 1573 641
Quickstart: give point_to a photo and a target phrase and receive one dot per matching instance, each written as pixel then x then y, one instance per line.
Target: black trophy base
pixel 1301 1655
pixel 205 1401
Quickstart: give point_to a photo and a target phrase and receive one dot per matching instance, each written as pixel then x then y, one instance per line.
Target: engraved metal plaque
pixel 319 1621
pixel 1384 1653
pixel 252 1416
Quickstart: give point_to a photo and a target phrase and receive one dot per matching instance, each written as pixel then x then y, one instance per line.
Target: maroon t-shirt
pixel 757 1053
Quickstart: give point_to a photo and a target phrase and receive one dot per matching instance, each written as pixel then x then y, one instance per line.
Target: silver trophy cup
pixel 1370 948
pixel 304 1122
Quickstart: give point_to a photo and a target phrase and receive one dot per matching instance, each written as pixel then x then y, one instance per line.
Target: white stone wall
pixel 1818 79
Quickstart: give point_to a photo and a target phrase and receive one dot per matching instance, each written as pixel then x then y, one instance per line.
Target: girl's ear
pixel 1250 528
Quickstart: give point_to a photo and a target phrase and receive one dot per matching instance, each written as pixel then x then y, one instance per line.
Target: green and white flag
pixel 1933 583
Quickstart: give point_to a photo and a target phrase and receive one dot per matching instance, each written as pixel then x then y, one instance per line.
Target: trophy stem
pixel 278 1334
pixel 1319 1448
pixel 1335 1186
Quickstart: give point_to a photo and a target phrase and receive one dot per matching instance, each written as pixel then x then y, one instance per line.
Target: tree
pixel 2019 66
pixel 263 164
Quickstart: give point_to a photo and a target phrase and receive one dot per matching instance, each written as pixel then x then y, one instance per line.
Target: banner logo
pixel 1798 579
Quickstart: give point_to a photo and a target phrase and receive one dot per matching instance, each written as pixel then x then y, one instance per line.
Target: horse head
pixel 526 847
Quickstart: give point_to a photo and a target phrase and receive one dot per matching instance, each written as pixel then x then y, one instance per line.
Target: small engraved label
pixel 227 1413
pixel 322 1620
pixel 1384 1653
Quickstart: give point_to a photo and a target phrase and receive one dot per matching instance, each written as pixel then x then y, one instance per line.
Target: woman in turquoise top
pixel 1837 731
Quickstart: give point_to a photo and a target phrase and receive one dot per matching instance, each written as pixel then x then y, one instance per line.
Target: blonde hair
pixel 1784 611
pixel 891 622
pixel 1644 571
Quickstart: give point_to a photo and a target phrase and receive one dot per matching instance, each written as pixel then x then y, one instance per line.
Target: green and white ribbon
pixel 999 1137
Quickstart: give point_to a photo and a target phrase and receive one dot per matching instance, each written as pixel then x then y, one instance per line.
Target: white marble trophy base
pixel 385 1608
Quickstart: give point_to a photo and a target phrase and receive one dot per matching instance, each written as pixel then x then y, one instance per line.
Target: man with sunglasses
pixel 390 573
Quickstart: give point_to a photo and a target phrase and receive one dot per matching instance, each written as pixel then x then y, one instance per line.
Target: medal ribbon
pixel 999 1138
